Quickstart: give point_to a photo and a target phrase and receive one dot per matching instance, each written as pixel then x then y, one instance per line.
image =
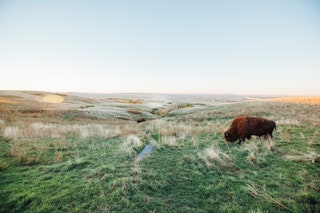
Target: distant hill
pixel 165 96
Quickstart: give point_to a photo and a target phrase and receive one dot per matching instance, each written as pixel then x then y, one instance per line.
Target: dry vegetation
pixel 304 156
pixel 214 153
pixel 300 100
pixel 40 133
pixel 172 132
pixel 53 130
pixel 260 192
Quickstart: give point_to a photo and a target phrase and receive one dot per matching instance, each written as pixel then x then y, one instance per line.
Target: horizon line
pixel 160 93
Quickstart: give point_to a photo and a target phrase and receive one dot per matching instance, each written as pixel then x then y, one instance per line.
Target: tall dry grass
pixel 175 132
pixel 215 154
pixel 261 192
pixel 28 151
pixel 257 149
pixel 315 139
pixel 304 156
pixel 183 128
pixel 30 142
pixel 11 133
pixel 130 143
pixel 41 130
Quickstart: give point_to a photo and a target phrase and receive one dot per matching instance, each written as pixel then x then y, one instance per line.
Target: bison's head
pixel 230 137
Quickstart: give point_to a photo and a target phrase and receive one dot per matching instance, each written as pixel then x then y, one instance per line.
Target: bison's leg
pixel 241 139
pixel 267 135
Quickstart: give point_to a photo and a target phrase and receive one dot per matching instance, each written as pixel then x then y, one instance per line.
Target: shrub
pixel 11 133
pixel 130 144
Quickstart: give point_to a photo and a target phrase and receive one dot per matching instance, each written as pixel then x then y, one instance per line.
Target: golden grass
pixel 133 111
pixel 302 100
pixel 7 101
pixel 54 99
pixel 125 101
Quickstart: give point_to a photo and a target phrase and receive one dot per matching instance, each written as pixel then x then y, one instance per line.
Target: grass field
pixel 78 153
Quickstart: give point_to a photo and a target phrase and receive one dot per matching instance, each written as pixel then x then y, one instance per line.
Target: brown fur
pixel 243 128
pixel 141 120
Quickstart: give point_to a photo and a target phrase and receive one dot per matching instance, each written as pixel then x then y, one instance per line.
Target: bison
pixel 140 120
pixel 243 128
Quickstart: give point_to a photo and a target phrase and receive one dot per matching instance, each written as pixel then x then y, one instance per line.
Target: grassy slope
pixel 95 174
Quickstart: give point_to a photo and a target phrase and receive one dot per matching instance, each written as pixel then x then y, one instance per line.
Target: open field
pixel 307 100
pixel 79 153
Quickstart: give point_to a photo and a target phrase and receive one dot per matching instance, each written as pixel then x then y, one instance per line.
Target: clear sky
pixel 266 47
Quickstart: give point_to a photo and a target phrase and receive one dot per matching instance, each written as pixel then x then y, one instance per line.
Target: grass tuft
pixel 11 133
pixel 215 154
pixel 257 191
pixel 3 165
pixel 130 144
pixel 303 157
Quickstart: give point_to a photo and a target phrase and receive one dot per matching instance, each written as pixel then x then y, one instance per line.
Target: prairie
pixel 78 153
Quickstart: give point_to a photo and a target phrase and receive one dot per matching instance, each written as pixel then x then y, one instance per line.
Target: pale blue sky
pixel 177 46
